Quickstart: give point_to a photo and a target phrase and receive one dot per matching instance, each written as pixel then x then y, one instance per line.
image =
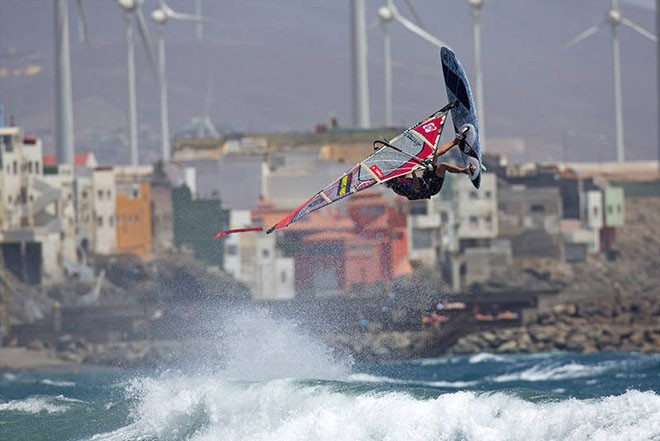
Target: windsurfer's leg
pixel 441 169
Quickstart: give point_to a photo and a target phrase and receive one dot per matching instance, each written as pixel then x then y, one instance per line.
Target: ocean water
pixel 275 381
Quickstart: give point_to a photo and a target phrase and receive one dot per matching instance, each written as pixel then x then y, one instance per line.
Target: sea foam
pixel 203 408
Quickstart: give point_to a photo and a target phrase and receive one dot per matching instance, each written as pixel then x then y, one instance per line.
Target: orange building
pixel 339 248
pixel 134 219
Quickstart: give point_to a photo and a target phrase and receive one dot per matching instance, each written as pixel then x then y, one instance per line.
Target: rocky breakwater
pixel 623 324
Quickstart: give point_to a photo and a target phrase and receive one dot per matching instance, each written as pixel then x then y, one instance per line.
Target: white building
pixel 254 260
pixel 37 220
pixel 102 221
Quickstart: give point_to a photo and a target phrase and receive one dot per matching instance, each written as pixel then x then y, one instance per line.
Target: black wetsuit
pixel 429 185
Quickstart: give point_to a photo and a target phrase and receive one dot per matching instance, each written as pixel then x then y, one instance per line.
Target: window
pixel 15 167
pixel 418 208
pixel 474 195
pixel 537 208
pixel 99 194
pixel 29 165
pixel 84 194
pixel 421 239
pixel 265 253
pixel 231 250
pixel 473 220
pixel 111 221
pixel 36 167
pixel 99 221
pixel 8 142
pixel 283 277
pixel 488 194
pixel 109 194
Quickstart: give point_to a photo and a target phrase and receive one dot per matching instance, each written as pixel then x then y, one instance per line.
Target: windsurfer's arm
pixel 444 149
pixel 415 182
pixel 445 166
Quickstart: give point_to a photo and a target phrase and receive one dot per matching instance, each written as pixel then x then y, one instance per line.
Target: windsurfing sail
pixel 403 154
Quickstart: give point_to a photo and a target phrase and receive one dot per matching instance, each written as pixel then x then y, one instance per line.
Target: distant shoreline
pixel 21 358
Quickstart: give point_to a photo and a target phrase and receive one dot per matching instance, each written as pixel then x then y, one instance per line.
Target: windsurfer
pixel 430 183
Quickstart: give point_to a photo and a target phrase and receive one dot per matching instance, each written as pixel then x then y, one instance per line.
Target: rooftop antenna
pixel 133 8
pixel 63 92
pixel 615 18
pixel 161 16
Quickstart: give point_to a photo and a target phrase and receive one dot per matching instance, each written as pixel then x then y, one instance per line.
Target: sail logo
pixel 377 171
pixel 344 185
pixel 430 127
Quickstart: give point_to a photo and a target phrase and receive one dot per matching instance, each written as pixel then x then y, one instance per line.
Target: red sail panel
pixel 431 129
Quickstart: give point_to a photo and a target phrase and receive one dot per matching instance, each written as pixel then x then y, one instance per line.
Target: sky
pixel 281 65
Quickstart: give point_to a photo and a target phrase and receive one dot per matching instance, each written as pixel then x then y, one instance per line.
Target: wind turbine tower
pixel 133 8
pixel 359 77
pixel 161 16
pixel 63 91
pixel 614 18
pixel 476 6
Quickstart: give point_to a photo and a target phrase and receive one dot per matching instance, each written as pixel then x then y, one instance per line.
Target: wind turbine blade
pixel 412 27
pixel 640 30
pixel 582 36
pixel 82 22
pixel 146 40
pixel 187 17
pixel 413 11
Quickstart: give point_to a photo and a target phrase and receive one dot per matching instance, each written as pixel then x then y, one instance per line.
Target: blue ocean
pixel 276 381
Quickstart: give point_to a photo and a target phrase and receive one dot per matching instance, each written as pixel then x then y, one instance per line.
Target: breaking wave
pixel 38 404
pixel 204 408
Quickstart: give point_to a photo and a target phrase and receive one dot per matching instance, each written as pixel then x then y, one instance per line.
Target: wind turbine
pixel 63 92
pixel 476 6
pixel 133 8
pixel 615 18
pixel 387 13
pixel 161 16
